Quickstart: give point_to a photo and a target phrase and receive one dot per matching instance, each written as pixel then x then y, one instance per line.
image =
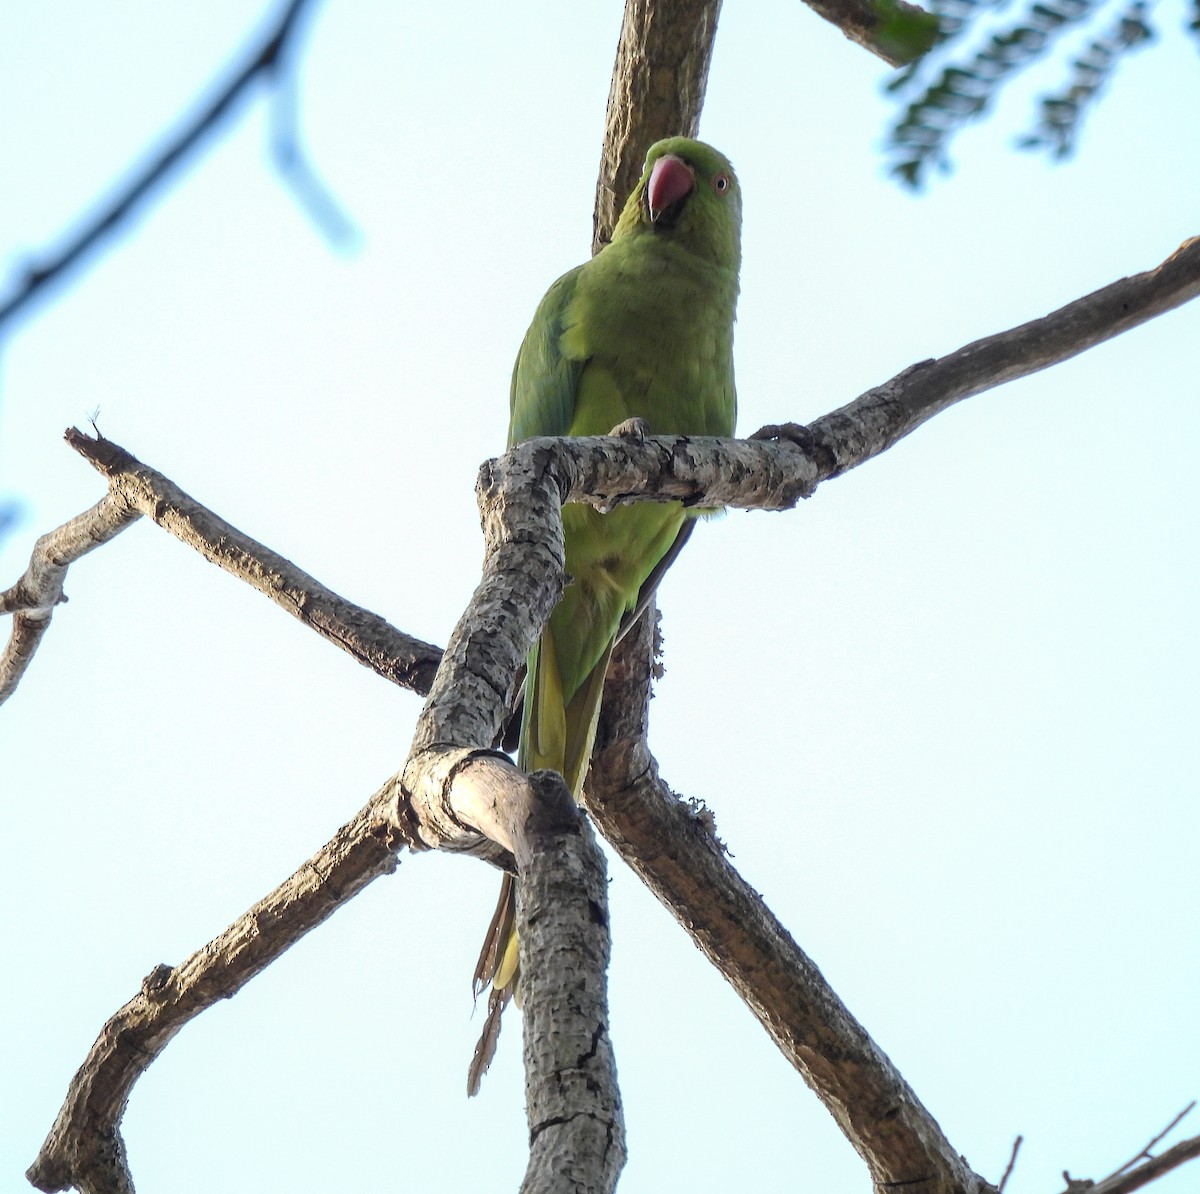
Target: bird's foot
pixel 792 433
pixel 635 429
pixel 814 445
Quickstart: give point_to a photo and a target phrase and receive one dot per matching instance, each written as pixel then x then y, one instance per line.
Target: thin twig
pixel 294 168
pixel 1012 1160
pixel 1150 1171
pixel 1145 1153
pixel 261 63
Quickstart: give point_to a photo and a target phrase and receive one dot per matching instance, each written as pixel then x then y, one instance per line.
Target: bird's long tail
pixel 555 736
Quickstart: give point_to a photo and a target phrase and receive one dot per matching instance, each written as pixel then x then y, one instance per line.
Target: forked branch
pixel 456 793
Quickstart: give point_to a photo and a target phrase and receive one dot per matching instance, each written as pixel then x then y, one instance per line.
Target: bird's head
pixel 689 193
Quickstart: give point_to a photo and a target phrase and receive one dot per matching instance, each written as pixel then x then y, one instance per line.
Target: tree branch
pixel 456 793
pixel 1152 1170
pixel 1145 1151
pixel 657 90
pixel 661 72
pixel 1132 1176
pixel 84 1147
pixel 1012 1161
pixel 374 642
pixel 672 846
pixel 573 1105
pixel 33 598
pixel 877 419
pixel 895 31
pixel 263 62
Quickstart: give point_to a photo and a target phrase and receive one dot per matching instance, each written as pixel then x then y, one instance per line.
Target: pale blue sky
pixel 945 713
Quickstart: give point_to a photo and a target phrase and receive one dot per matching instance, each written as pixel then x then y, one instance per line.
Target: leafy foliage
pixel 1058 125
pixel 951 85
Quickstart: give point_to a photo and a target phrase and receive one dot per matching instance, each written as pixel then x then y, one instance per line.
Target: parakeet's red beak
pixel 670 180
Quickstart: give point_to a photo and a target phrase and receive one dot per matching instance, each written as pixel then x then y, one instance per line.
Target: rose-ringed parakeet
pixel 643 331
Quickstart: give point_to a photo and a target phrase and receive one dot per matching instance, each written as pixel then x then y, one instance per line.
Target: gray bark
pixel 456 793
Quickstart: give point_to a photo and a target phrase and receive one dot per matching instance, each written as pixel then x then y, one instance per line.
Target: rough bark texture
pixel 657 91
pixel 673 848
pixel 576 1130
pixel 84 1146
pixel 522 581
pixel 33 598
pixel 457 794
pixel 374 642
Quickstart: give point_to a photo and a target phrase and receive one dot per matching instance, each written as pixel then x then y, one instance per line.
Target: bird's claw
pixel 792 433
pixel 635 429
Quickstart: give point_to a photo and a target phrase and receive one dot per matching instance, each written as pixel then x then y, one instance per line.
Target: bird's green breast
pixel 654 325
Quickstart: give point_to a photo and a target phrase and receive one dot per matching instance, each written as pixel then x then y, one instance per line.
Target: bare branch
pixel 374 642
pixel 1145 1152
pixel 661 72
pixel 876 420
pixel 1152 1170
pixel 84 1147
pixel 33 598
pixel 671 845
pixel 657 91
pixel 457 794
pixel 576 1128
pixel 446 790
pixel 1012 1161
pixel 712 472
pixel 263 62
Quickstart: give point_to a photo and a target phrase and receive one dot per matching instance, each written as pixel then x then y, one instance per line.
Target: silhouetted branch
pixel 1012 1161
pixel 1126 1181
pixel 310 191
pixel 264 62
pixel 1145 1152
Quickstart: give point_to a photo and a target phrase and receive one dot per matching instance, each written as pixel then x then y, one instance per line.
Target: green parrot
pixel 644 332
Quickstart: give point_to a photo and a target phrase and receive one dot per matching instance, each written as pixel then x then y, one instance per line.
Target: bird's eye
pixel 721 183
